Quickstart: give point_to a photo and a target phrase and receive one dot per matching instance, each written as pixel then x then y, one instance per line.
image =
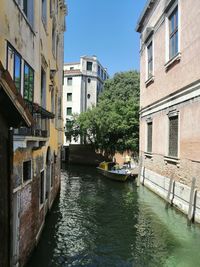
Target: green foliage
pixel 114 124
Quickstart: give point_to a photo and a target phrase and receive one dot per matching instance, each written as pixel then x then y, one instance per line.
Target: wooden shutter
pixel 173 136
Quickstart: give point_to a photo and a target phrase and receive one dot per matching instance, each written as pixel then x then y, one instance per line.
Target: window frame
pixel 69 94
pixel 30 68
pixel 173 33
pixel 169 59
pixel 69 79
pixel 67 111
pixel 43 196
pixel 31 172
pixel 14 52
pixel 150 122
pixel 44 12
pixel 43 88
pixel 171 116
pixel 89 63
pixel 151 60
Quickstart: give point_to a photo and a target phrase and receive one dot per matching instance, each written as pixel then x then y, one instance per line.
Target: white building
pixel 83 81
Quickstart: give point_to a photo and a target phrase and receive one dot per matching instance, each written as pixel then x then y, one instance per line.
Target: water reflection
pixel 98 222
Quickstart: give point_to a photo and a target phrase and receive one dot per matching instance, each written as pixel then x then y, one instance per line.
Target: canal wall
pixel 185 198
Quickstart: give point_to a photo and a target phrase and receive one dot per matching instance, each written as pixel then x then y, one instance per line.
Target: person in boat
pixel 127 161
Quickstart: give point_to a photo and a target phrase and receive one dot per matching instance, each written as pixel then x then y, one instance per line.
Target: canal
pixel 101 223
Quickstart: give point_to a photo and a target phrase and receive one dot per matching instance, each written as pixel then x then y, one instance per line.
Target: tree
pixel 113 125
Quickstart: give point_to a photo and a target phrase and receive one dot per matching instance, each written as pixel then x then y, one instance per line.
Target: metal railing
pixel 41 126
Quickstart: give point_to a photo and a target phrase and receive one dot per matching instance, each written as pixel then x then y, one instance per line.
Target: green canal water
pixel 97 222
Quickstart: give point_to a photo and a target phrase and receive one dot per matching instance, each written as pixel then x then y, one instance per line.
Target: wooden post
pixel 191 201
pixel 169 190
pixel 171 186
pixel 139 172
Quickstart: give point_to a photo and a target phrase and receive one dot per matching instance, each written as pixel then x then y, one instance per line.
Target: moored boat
pixel 108 170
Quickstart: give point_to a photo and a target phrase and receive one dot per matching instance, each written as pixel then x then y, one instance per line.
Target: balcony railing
pixel 41 127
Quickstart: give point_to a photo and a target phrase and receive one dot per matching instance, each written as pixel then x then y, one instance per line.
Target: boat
pixel 108 170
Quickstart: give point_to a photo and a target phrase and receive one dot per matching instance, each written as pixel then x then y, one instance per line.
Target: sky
pixel 105 28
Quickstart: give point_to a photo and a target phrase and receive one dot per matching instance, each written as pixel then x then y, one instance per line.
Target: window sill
pixel 172 160
pixel 173 61
pixel 149 81
pixel 148 155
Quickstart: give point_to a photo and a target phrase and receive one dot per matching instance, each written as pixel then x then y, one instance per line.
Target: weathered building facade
pixel 31 49
pixel 13 113
pixel 170 101
pixel 83 81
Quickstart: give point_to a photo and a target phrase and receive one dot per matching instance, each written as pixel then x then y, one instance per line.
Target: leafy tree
pixel 113 125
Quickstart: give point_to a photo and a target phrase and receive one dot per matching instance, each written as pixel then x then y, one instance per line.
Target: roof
pixel 71 63
pixel 72 72
pixel 147 8
pixel 12 105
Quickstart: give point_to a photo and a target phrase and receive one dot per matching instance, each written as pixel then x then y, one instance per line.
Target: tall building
pixel 170 101
pixel 83 81
pixel 31 51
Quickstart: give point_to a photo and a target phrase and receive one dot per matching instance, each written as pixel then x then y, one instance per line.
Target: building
pixel 31 50
pixel 83 81
pixel 170 101
pixel 13 113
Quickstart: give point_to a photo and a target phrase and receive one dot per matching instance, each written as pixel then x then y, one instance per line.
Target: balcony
pixel 39 132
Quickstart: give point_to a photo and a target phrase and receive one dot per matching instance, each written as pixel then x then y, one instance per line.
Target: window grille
pixel 149 137
pixel 173 136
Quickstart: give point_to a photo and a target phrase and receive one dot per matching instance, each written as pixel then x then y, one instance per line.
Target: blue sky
pixel 105 28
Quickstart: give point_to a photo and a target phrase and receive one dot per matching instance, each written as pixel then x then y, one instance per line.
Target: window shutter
pixel 173 136
pixel 149 137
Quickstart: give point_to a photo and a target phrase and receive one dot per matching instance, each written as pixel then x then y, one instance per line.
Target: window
pixel 52 101
pixel 69 124
pixel 28 8
pixel 54 39
pixel 28 82
pixel 88 96
pixel 44 11
pixel 71 68
pixel 52 174
pixel 173 33
pixel 173 136
pixel 89 66
pixel 52 7
pixel 150 60
pixel 99 70
pixel 69 111
pixel 14 66
pixel 69 96
pixel 149 137
pixel 89 80
pixel 101 74
pixel 69 81
pixel 43 88
pixel 26 170
pixel 41 187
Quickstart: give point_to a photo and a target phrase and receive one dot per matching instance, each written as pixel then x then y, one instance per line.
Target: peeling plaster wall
pixel 34 44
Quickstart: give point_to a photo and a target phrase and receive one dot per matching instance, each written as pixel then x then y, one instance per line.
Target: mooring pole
pixel 191 201
pixel 139 171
